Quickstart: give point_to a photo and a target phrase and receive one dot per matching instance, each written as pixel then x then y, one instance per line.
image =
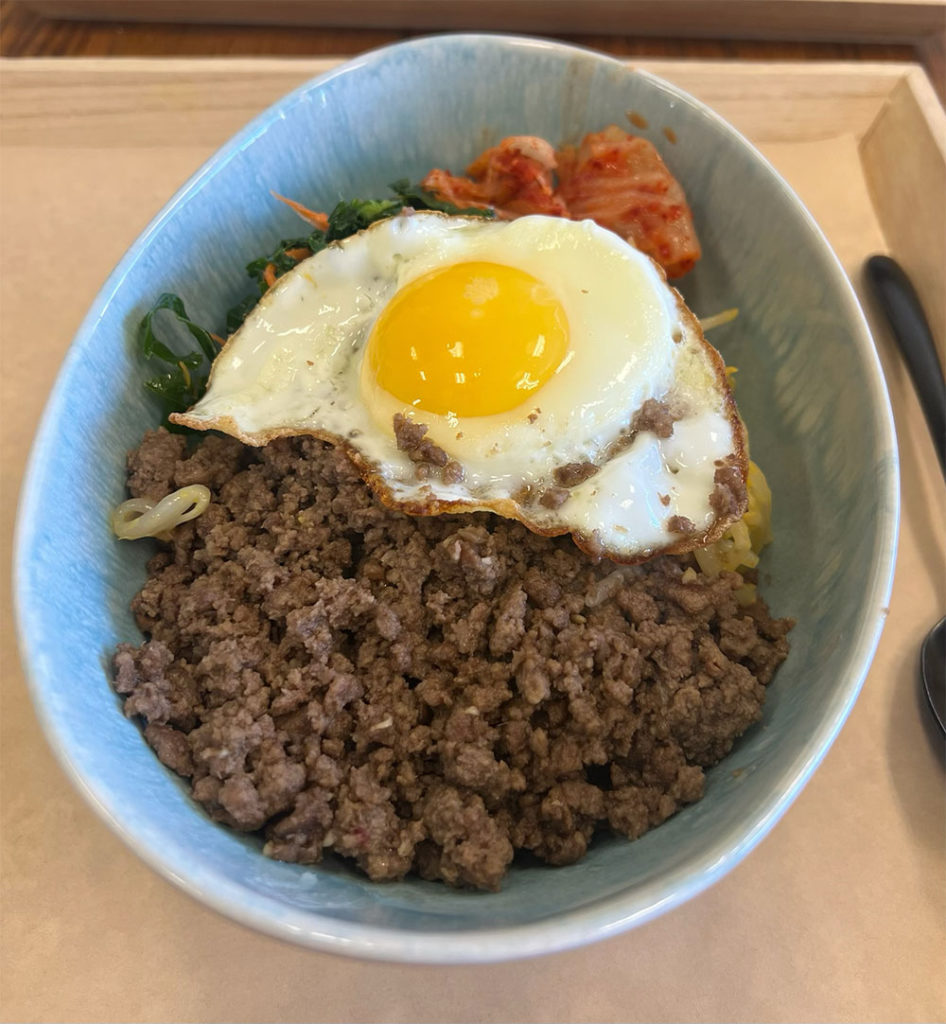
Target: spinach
pixel 354 215
pixel 238 313
pixel 419 199
pixel 180 386
pixel 281 260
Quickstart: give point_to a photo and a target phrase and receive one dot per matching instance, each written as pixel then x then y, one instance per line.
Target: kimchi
pixel 614 178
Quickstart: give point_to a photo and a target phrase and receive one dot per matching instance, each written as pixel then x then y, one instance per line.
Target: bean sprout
pixel 718 319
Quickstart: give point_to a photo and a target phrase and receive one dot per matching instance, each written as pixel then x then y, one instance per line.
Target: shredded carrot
pixel 187 374
pixel 217 338
pixel 269 275
pixel 316 219
pixel 298 253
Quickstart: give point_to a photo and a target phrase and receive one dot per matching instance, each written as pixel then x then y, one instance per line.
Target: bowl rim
pixel 608 915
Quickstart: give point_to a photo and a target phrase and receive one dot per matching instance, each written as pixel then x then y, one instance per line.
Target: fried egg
pixel 540 368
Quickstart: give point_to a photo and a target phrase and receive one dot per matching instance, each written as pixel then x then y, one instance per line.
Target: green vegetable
pixel 281 260
pixel 350 217
pixel 356 214
pixel 238 313
pixel 419 199
pixel 182 385
pixel 149 342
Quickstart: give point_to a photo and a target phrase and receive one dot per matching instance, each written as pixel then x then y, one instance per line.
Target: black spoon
pixel 899 301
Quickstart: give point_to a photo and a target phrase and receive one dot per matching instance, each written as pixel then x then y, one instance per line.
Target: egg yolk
pixel 472 339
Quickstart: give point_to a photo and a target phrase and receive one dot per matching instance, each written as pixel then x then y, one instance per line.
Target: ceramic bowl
pixel 810 389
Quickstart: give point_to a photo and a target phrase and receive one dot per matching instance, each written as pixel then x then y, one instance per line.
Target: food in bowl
pixel 433 693
pixel 614 178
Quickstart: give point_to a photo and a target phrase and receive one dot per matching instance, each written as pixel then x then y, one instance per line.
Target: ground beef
pixel 424 453
pixel 681 524
pixel 655 417
pixel 728 497
pixel 574 473
pixel 554 497
pixel 422 694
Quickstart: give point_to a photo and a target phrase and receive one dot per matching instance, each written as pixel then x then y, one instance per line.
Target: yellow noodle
pixel 739 546
pixel 140 517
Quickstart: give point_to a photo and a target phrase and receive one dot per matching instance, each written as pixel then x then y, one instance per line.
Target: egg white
pixel 295 367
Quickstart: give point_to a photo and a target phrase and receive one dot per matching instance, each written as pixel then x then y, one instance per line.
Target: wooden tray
pixel 840 913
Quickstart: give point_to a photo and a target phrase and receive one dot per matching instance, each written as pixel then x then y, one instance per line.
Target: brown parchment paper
pixel 840 914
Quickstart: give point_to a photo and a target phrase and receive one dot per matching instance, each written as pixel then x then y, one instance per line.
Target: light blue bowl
pixel 810 388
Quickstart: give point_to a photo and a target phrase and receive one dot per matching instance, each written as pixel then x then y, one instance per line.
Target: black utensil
pixel 899 300
pixel 901 303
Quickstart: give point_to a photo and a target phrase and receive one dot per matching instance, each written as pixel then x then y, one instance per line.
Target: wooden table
pixel 840 914
pixel 31 28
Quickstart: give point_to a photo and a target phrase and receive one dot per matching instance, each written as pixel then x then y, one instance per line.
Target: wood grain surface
pixel 38 29
pixel 743 30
